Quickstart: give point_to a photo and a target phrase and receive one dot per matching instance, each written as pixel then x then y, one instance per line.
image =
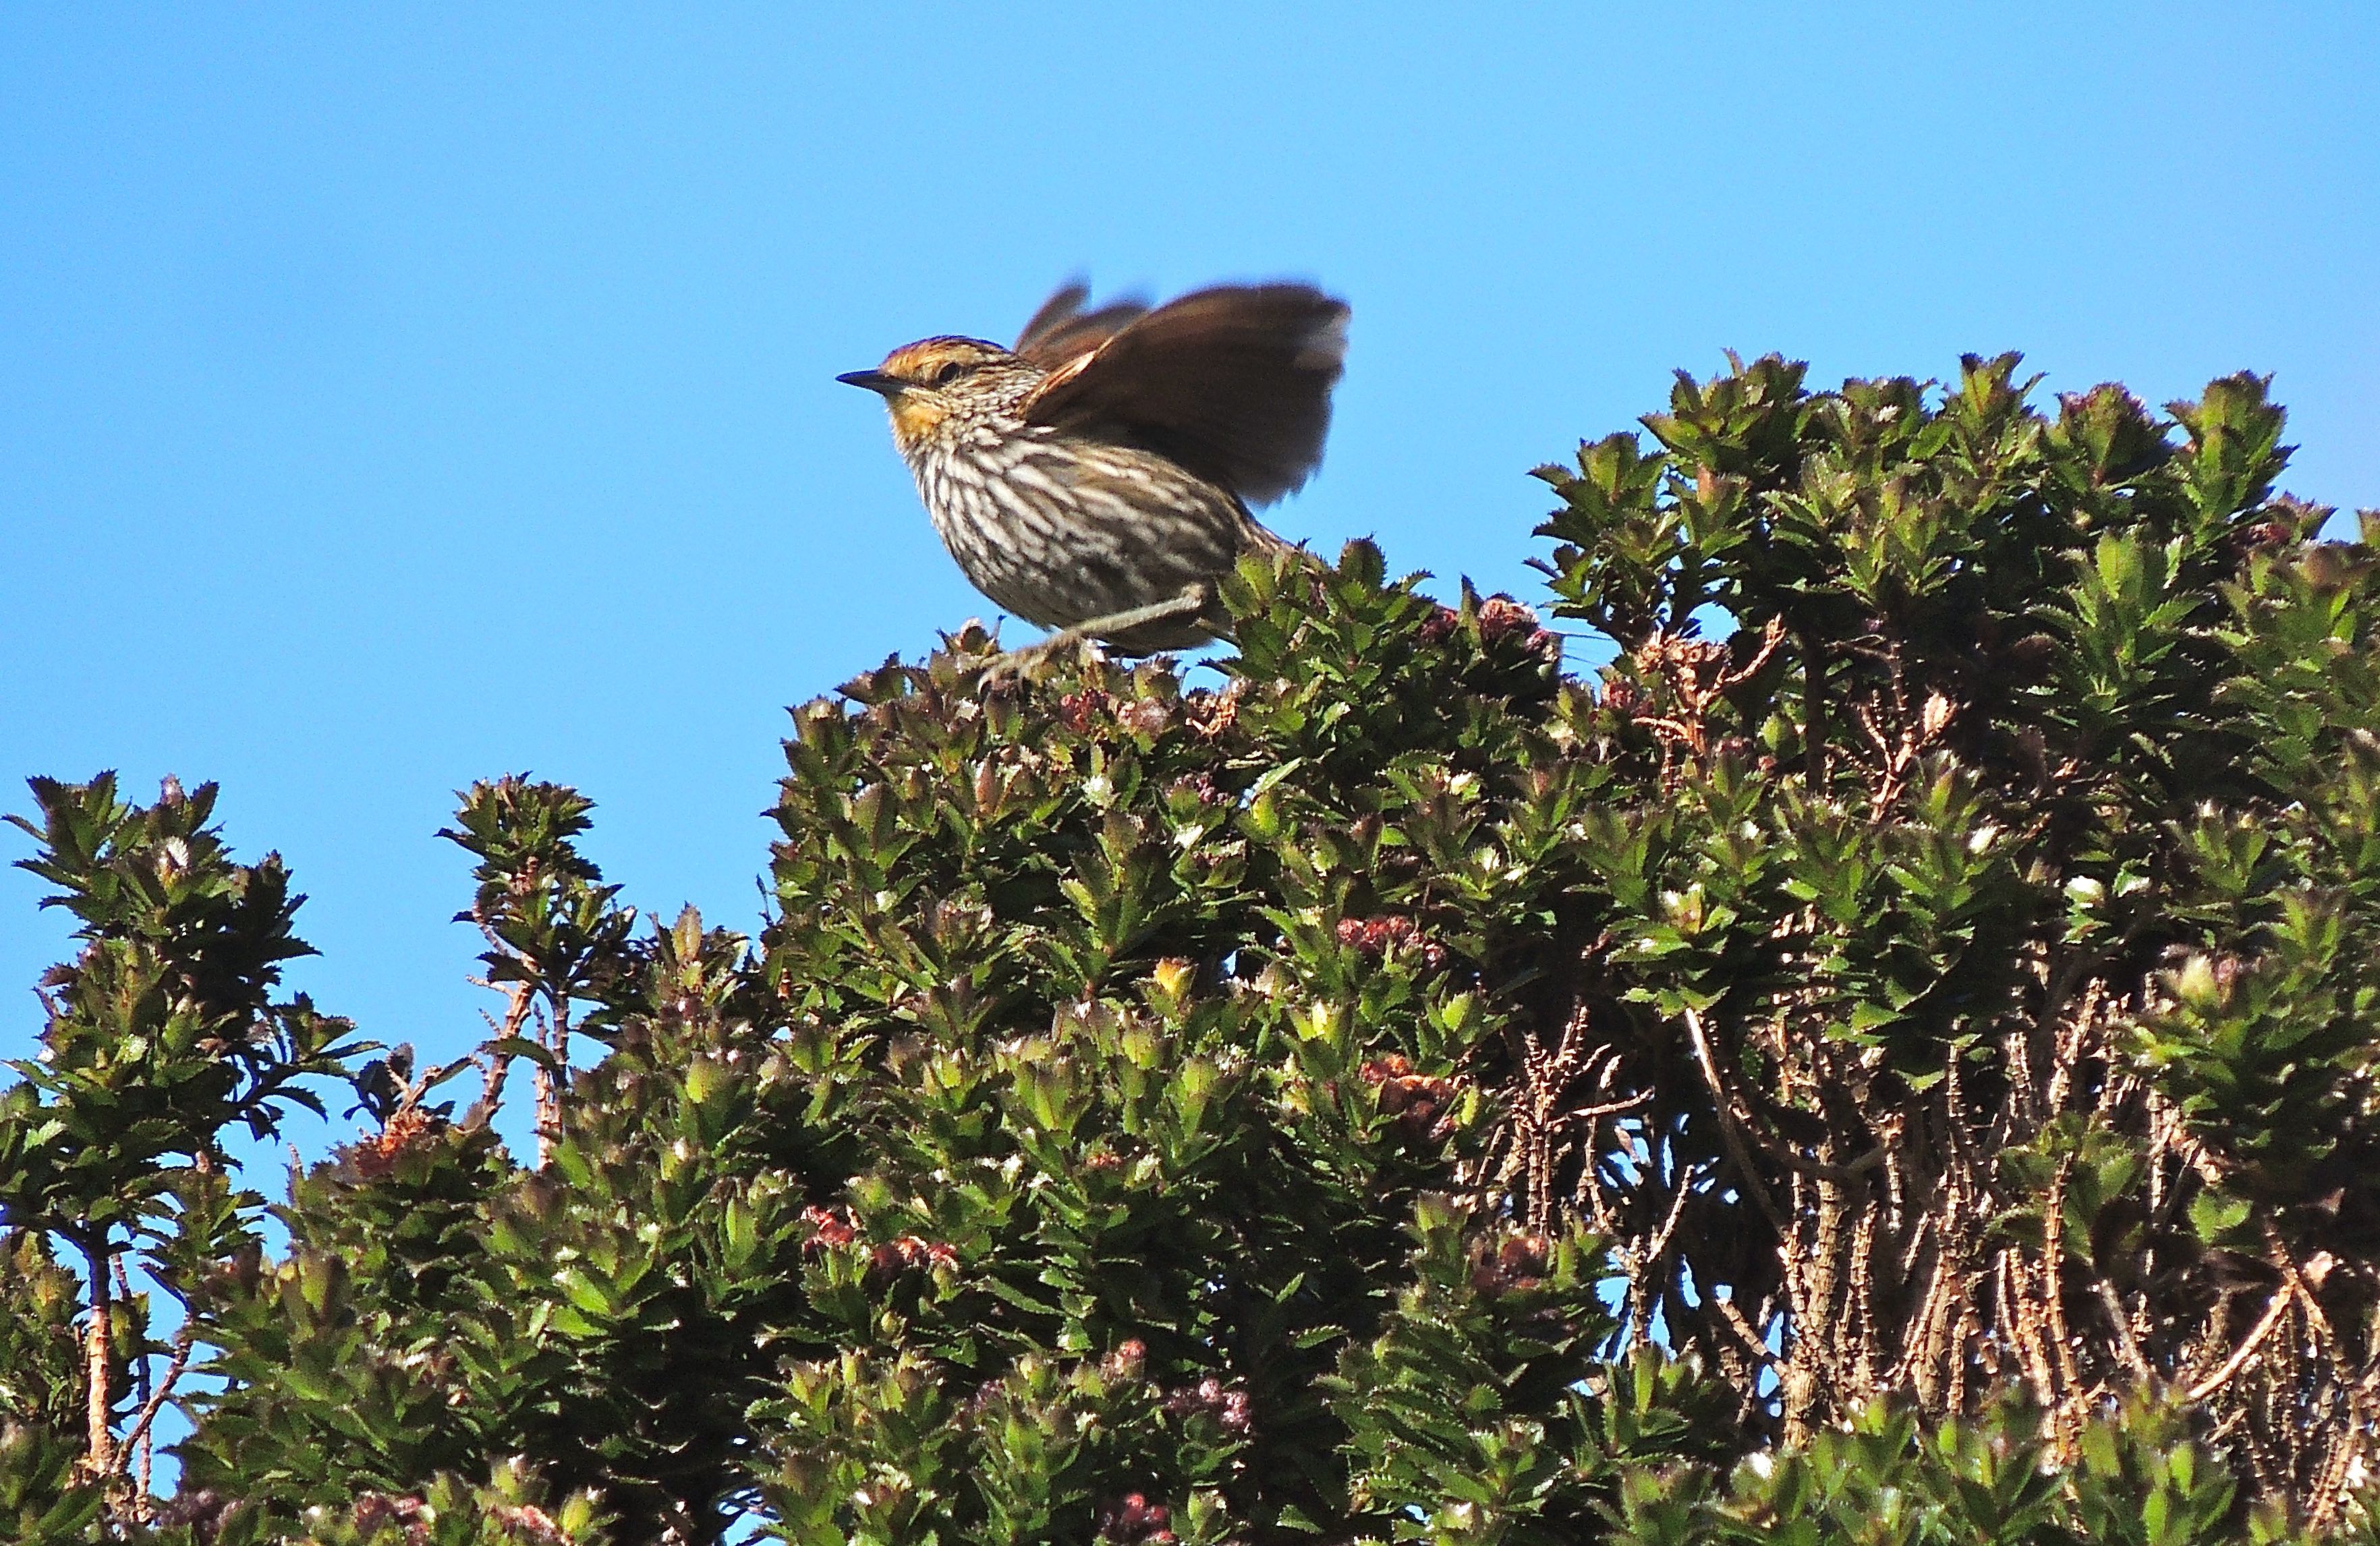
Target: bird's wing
pixel 1061 331
pixel 1232 383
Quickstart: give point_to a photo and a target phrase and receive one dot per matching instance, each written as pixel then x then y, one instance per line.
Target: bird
pixel 1095 478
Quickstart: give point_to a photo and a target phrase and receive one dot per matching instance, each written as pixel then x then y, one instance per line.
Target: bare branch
pixel 184 1340
pixel 2283 1297
pixel 1730 1127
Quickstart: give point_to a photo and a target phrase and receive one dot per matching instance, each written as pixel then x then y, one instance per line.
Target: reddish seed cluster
pixel 1201 786
pixel 532 1523
pixel 1228 1408
pixel 1375 937
pixel 1079 711
pixel 1135 1519
pixel 1126 1362
pixel 2286 520
pixel 375 1157
pixel 1622 698
pixel 908 1253
pixel 1518 1263
pixel 1092 708
pixel 1502 618
pixel 376 1511
pixel 829 1228
pixel 833 1227
pixel 1418 1101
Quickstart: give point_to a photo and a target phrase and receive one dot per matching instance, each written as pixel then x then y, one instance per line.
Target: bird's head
pixel 927 383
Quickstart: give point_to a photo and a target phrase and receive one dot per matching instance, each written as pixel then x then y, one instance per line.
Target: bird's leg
pixel 1192 602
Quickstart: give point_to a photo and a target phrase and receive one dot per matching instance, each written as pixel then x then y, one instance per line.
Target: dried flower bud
pixel 1147 716
pixel 374 1157
pixel 1079 711
pixel 1133 1519
pixel 1129 1359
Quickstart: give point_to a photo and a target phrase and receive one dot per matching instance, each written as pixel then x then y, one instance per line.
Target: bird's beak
pixel 874 381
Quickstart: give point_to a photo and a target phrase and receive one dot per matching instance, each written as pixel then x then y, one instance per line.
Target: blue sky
pixel 395 397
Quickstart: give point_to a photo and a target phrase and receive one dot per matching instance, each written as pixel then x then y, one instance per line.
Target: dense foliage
pixel 1886 1059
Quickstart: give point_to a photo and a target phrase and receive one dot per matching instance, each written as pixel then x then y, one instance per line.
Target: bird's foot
pixel 1015 663
pixel 1011 665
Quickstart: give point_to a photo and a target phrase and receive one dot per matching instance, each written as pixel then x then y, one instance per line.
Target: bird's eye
pixel 946 372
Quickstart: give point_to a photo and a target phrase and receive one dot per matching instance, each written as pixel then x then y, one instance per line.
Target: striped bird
pixel 1095 478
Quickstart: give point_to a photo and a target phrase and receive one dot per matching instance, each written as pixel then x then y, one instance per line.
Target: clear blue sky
pixel 391 398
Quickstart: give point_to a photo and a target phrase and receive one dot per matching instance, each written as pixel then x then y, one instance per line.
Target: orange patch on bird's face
pixel 929 366
pixel 914 415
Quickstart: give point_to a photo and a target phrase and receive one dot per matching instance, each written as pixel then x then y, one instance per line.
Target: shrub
pixel 1885 1059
